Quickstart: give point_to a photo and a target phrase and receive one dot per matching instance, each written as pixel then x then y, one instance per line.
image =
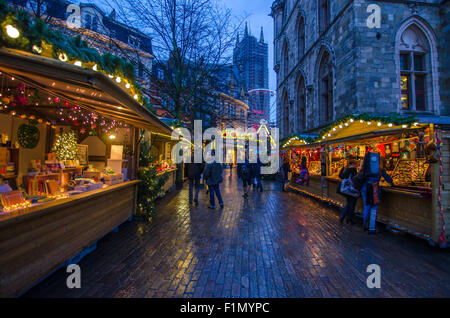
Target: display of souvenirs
pixel 336 166
pixel 314 168
pixel 112 179
pixel 410 172
pixel 13 200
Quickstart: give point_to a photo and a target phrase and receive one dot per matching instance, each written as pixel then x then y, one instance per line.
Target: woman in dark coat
pixel 347 212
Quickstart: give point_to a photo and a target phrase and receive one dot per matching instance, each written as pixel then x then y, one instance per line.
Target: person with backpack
pixel 194 172
pixel 245 173
pixel 213 176
pixel 304 173
pixel 348 172
pixel 372 172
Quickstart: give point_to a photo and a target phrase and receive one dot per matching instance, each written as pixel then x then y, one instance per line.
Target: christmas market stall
pixel 414 152
pixel 70 130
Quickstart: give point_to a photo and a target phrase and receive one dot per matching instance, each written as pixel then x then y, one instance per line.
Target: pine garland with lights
pixel 394 119
pixel 149 189
pixel 65 146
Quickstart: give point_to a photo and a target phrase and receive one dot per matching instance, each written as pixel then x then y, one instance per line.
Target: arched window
pixel 286 129
pixel 325 89
pixel 301 104
pixel 324 15
pixel 285 58
pixel 414 69
pixel 301 36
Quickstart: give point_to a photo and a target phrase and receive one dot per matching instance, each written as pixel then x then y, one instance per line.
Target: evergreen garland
pixel 395 119
pixel 149 189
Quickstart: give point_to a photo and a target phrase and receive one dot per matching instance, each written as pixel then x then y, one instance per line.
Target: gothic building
pixel 251 57
pixel 330 61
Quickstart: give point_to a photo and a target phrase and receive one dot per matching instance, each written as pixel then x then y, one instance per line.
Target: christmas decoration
pixel 33 35
pixel 28 136
pixel 66 146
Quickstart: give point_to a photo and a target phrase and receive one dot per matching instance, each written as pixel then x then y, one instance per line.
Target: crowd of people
pixel 355 183
pixel 210 176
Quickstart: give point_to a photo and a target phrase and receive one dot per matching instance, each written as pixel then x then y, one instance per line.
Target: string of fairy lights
pixel 331 132
pixel 15 93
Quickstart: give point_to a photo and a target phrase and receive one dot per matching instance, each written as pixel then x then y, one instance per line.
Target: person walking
pixel 245 173
pixel 194 172
pixel 285 169
pixel 257 174
pixel 372 171
pixel 348 172
pixel 213 176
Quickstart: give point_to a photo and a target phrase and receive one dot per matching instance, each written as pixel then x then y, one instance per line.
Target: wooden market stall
pixel 58 208
pixel 418 202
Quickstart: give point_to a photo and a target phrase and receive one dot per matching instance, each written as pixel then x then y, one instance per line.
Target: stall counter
pixel 36 241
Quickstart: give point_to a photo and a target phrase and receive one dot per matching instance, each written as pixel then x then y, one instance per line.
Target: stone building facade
pixel 332 59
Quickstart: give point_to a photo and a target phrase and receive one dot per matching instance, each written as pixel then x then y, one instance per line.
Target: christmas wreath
pixel 28 136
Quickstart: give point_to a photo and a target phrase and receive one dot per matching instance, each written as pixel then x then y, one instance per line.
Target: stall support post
pixel 135 157
pixel 435 224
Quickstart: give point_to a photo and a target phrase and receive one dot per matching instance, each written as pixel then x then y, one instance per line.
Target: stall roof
pixel 356 129
pixel 85 87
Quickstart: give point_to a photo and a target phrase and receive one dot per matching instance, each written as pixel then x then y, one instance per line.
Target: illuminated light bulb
pixel 369 123
pixel 351 120
pixel 110 76
pixel 127 85
pixel 334 129
pixel 118 79
pixel 77 63
pixel 340 126
pixel 329 135
pixel 12 31
pixel 346 124
pixel 415 124
pixel 63 57
pixel 118 107
pixel 95 67
pixel 361 121
pixel 135 96
pixel 112 137
pixel 13 113
pixel 403 126
pixel 37 49
pixel 323 137
pixel 390 125
pixel 379 124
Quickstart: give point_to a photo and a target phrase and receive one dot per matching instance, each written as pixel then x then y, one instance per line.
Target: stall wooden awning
pixel 90 89
pixel 356 130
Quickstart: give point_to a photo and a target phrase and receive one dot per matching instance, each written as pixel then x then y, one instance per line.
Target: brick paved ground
pixel 272 244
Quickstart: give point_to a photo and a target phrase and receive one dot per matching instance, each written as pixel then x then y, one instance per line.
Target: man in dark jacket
pixel 245 172
pixel 213 176
pixel 285 169
pixel 345 173
pixel 194 172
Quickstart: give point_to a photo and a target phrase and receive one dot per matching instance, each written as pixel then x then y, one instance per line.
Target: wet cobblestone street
pixel 272 244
